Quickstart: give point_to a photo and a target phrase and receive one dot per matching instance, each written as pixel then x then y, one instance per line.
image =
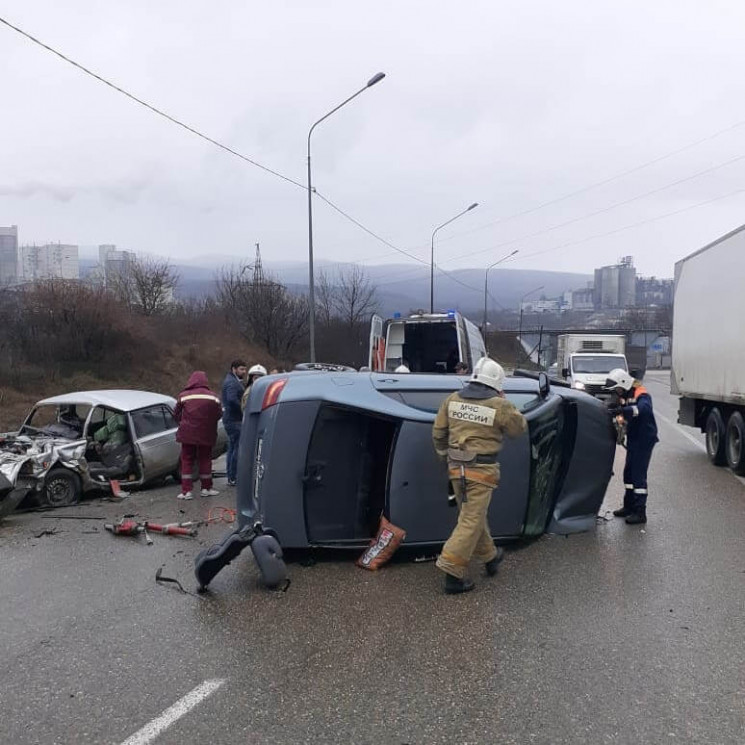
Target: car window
pixel 152 420
pixel 545 448
pixel 432 400
pixel 171 423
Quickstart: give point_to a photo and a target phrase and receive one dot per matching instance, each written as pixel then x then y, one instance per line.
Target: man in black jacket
pixel 232 416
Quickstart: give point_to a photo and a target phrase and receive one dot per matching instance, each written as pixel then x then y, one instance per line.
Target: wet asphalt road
pixel 621 635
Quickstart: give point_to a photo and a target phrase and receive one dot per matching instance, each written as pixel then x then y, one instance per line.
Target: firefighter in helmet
pixel 255 371
pixel 635 408
pixel 468 432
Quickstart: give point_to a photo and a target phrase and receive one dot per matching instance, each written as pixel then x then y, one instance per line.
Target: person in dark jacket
pixel 232 414
pixel 635 408
pixel 198 411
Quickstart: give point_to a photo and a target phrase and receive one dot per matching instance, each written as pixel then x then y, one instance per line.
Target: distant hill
pixel 401 287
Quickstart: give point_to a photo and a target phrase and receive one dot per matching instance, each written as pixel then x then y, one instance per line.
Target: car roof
pixel 123 400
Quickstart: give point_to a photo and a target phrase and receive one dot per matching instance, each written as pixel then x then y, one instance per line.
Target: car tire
pixel 61 488
pixel 716 438
pixel 736 443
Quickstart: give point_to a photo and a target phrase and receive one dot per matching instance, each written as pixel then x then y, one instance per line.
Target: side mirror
pixel 544 386
pixel 564 372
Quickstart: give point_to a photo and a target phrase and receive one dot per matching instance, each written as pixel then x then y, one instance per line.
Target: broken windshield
pixel 57 420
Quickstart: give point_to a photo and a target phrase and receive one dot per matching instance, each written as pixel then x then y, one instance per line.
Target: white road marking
pixel 183 706
pixel 677 427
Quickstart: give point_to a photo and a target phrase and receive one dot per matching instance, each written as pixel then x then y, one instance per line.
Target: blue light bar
pixel 397 314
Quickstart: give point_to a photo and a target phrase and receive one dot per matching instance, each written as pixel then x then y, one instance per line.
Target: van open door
pixel 376 358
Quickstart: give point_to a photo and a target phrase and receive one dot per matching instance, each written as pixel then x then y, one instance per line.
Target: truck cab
pixel 424 342
pixel 584 360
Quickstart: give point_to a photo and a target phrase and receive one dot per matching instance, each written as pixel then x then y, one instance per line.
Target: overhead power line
pixel 389 244
pixel 603 210
pixel 623 228
pixel 152 108
pixel 597 184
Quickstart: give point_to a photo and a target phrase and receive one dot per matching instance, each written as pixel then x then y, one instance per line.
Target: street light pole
pixel 311 282
pixel 432 255
pixel 486 281
pixel 520 327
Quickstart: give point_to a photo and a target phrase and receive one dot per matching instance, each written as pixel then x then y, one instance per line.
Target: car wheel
pixel 716 436
pixel 61 488
pixel 735 445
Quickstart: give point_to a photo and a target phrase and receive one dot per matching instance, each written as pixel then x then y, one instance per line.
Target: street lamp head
pixel 375 79
pixel 473 206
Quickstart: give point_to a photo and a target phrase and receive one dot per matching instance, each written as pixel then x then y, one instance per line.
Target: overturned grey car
pixel 323 454
pixel 77 443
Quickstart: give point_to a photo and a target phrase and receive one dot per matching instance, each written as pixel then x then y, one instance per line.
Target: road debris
pixel 160 579
pixel 129 527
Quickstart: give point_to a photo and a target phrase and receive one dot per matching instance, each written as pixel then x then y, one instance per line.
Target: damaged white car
pixel 78 442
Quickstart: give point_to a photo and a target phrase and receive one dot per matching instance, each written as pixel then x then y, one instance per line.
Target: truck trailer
pixel 708 353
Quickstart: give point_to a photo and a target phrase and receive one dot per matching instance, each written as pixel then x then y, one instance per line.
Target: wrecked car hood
pixel 39 452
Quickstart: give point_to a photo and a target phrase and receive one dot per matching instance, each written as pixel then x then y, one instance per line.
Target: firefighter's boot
pixel 637 518
pixel 628 502
pixel 492 566
pixel 454 585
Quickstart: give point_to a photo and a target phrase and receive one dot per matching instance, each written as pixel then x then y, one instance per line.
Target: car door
pixel 546 428
pixel 376 356
pixel 155 440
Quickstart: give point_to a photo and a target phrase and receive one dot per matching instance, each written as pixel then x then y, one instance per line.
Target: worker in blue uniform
pixel 635 409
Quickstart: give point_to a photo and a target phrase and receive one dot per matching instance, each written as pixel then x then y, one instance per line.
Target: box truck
pixel 424 342
pixel 584 360
pixel 708 350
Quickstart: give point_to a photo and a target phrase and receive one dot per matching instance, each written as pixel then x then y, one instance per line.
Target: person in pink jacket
pixel 198 410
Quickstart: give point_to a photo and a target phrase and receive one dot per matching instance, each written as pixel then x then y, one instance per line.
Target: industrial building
pixel 9 255
pixel 615 285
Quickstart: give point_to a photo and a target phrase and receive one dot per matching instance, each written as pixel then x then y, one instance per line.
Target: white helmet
pixel 257 370
pixel 488 372
pixel 402 369
pixel 619 378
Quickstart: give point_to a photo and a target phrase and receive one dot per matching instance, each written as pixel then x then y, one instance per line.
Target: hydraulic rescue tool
pixel 127 526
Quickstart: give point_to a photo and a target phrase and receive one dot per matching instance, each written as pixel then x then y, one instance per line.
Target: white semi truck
pixel 584 360
pixel 708 366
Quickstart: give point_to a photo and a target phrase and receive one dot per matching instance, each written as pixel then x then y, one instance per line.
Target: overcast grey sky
pixel 511 104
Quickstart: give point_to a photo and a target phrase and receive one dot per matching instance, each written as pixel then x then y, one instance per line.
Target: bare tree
pixel 145 285
pixel 264 311
pixel 355 298
pixel 325 294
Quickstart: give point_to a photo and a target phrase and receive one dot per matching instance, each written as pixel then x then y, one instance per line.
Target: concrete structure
pixel 651 291
pixel 583 299
pixel 9 255
pixel 615 285
pixel 541 306
pixel 113 262
pixel 50 261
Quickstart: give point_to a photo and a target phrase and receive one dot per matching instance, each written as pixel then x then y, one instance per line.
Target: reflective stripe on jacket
pixel 641 426
pixel 198 410
pixel 476 424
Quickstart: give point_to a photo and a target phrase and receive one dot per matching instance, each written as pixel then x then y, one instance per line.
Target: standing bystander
pixel 232 415
pixel 197 412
